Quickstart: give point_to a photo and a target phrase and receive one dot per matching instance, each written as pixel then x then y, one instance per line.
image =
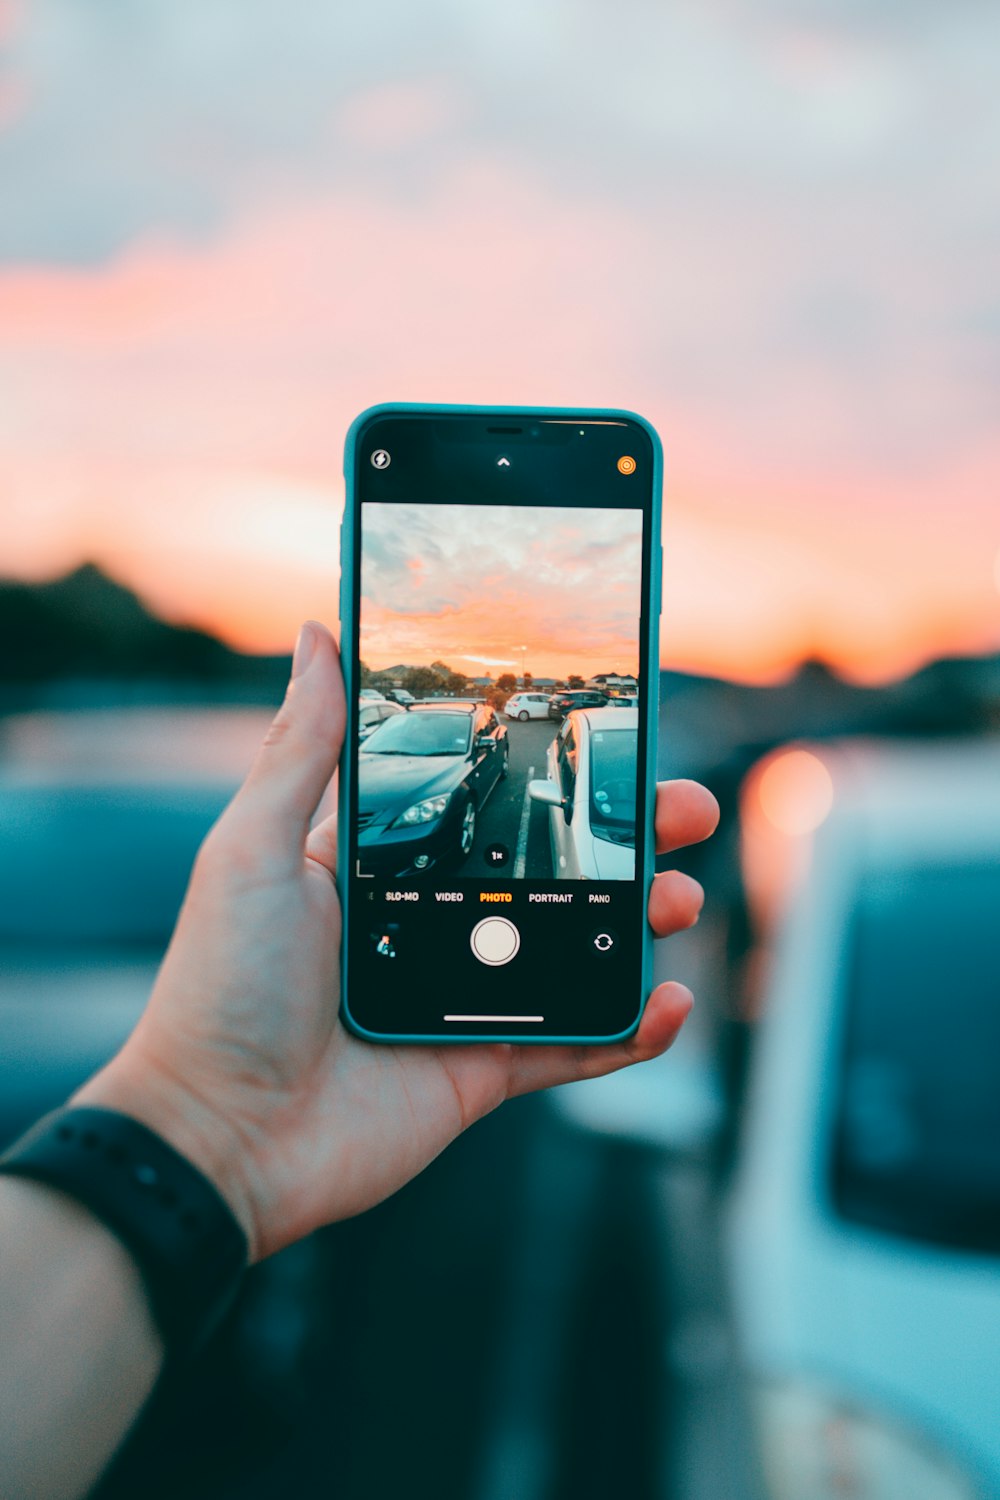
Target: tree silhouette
pixel 422 681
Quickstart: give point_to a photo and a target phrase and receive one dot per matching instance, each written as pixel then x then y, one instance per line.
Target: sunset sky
pixel 489 588
pixel 773 230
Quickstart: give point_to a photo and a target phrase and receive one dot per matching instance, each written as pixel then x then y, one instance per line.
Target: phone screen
pixel 497 807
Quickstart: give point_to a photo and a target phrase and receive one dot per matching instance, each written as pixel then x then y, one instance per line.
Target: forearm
pixel 79 1352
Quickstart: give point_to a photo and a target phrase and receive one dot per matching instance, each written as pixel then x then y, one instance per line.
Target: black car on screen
pixel 423 777
pixel 560 704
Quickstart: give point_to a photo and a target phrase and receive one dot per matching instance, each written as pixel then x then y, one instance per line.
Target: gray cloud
pixel 815 182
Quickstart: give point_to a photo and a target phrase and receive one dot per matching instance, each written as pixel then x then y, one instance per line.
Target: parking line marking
pixel 521 857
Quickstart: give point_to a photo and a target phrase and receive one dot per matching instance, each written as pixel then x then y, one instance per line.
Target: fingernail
pixel 305 649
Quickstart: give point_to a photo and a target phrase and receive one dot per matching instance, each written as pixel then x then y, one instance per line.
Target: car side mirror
pixel 548 793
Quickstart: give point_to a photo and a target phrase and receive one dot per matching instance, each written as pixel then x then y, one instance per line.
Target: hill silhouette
pixel 87 625
pixel 86 638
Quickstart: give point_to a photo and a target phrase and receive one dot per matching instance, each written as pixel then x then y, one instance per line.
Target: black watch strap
pixel 183 1236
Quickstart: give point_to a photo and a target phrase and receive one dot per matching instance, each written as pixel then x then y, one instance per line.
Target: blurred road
pixel 707 1450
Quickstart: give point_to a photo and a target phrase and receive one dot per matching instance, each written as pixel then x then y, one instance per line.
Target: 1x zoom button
pixel 495 941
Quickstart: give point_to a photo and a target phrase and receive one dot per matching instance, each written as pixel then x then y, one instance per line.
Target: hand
pixel 240 1059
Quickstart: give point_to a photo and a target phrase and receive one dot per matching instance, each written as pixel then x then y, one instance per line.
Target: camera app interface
pixel 499 662
pixel 497 756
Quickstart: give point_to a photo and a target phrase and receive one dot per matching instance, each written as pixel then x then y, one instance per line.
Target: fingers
pixel 686 813
pixel 299 754
pixel 675 902
pixel 543 1067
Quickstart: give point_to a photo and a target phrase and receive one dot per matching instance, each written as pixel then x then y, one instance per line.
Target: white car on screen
pixel 373 712
pixel 525 706
pixel 590 794
pixel 865 1223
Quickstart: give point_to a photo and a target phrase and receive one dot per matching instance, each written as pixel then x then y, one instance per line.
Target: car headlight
pixel 422 812
pixel 818 1446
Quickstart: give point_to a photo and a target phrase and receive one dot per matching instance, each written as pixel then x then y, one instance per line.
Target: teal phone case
pixel 348 652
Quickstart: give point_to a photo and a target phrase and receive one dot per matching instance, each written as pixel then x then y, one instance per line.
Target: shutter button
pixel 495 940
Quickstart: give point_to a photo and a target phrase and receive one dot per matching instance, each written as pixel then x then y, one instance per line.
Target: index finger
pixel 686 813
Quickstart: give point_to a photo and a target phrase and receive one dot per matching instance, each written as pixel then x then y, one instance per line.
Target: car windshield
pixel 612 785
pixel 98 864
pixel 420 734
pixel 918 1116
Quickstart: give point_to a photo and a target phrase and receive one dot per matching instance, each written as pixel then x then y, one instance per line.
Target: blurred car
pixel 525 706
pixel 561 704
pixel 624 700
pixel 102 814
pixel 371 715
pixel 865 1225
pixel 590 793
pixel 370 693
pixel 400 695
pixel 423 778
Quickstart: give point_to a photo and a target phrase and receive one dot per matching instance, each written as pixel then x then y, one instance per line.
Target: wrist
pixel 181 1234
pixel 135 1087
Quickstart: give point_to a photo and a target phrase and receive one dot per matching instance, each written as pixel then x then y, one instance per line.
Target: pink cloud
pixel 151 407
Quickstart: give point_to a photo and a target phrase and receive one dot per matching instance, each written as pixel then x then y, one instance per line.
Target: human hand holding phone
pixel 241 1060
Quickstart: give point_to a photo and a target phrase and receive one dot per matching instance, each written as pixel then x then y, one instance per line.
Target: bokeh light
pixel 795 792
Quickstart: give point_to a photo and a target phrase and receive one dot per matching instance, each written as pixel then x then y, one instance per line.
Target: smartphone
pixel 500 587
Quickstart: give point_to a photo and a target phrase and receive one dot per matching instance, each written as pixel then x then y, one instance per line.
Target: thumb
pixel 299 754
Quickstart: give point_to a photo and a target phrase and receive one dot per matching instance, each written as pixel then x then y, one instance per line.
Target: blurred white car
pixel 865 1224
pixel 372 693
pixel 590 793
pixel 525 706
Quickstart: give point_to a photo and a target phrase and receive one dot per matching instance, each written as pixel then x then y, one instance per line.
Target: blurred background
pixel 767 1265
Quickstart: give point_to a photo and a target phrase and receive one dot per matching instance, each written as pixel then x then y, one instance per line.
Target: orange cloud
pixel 178 415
